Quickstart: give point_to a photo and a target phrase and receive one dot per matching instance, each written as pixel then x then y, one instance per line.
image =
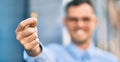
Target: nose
pixel 80 23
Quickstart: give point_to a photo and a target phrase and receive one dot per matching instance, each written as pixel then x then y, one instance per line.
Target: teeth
pixel 80 32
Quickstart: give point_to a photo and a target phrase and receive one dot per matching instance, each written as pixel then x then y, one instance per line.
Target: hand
pixel 26 34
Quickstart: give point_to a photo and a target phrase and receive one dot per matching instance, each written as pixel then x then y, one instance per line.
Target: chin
pixel 79 41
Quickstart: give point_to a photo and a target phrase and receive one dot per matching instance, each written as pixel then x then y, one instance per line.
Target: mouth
pixel 80 32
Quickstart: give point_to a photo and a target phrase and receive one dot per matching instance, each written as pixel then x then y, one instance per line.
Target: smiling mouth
pixel 80 32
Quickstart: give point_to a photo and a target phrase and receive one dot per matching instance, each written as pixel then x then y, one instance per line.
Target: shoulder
pixel 106 55
pixel 55 47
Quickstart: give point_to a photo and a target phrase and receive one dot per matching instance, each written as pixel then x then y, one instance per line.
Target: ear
pixel 95 22
pixel 65 21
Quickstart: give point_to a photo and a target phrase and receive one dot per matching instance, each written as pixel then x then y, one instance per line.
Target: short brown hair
pixel 78 2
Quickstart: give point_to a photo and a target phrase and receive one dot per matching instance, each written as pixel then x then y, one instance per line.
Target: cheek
pixel 70 26
pixel 92 27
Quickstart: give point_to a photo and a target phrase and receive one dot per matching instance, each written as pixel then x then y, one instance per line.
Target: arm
pixel 45 56
pixel 26 34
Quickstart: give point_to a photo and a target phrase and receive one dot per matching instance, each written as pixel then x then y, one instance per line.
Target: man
pixel 80 21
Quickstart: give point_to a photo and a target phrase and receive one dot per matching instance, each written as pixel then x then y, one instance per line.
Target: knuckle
pixel 21 24
pixel 27 47
pixel 18 37
pixel 35 35
pixel 37 45
pixel 22 42
pixel 30 30
pixel 37 40
pixel 16 31
pixel 33 43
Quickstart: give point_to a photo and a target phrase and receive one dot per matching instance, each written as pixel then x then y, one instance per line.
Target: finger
pixel 23 24
pixel 36 30
pixel 34 43
pixel 29 38
pixel 37 46
pixel 28 31
pixel 31 45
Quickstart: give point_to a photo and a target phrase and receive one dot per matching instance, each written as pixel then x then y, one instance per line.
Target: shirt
pixel 71 53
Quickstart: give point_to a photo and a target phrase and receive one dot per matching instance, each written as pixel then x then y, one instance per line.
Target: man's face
pixel 81 22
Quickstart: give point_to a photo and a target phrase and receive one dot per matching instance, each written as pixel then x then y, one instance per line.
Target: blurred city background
pixel 51 29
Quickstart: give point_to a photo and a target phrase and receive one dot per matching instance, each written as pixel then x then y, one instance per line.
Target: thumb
pixel 34 22
pixel 34 16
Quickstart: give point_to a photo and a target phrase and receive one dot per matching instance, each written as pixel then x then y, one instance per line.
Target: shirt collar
pixel 77 52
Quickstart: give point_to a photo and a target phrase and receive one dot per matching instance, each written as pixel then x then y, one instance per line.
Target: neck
pixel 85 45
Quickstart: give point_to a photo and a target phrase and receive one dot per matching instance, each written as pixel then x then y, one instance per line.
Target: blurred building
pixel 108 30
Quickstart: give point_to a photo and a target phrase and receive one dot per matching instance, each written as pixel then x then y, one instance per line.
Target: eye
pixel 72 19
pixel 86 19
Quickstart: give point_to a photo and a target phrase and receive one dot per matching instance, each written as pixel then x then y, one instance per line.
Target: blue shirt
pixel 71 53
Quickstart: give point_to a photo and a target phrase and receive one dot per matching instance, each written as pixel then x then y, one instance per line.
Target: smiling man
pixel 80 21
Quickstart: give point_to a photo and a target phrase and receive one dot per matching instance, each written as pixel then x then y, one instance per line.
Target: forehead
pixel 80 10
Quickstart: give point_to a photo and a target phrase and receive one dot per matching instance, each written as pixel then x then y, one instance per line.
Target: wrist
pixel 35 52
